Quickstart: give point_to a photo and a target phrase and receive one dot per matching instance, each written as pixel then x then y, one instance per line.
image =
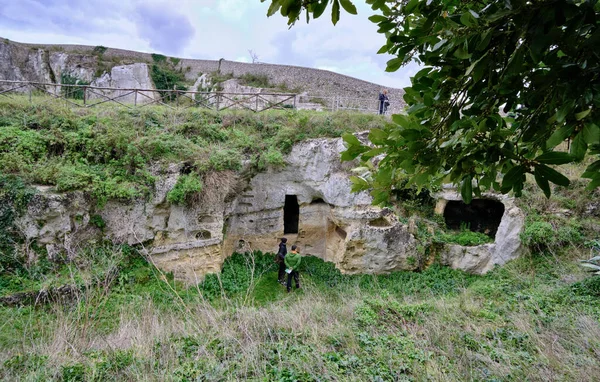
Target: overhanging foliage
pixel 504 84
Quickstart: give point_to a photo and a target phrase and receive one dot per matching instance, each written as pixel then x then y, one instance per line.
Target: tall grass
pixel 522 322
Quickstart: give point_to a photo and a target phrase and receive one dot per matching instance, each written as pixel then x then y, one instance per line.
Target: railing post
pixel 295 101
pixel 29 87
pixel 218 100
pixel 256 109
pixel 135 97
pixel 84 95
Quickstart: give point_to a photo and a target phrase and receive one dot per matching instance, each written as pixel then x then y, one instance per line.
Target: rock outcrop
pixel 308 201
pixel 482 258
pixel 190 241
pixel 21 63
pixel 126 77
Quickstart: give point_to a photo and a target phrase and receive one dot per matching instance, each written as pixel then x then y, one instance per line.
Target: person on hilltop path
pixel 384 101
pixel 280 259
pixel 292 262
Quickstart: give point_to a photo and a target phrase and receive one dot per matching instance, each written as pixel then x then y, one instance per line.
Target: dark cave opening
pixel 291 214
pixel 482 215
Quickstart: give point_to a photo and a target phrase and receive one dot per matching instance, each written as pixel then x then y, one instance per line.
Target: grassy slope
pixel 531 320
pixel 108 151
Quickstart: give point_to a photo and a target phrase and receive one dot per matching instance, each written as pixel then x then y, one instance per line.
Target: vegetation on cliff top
pixel 109 152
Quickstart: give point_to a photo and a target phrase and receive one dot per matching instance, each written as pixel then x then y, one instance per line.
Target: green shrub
pixel 175 60
pixel 255 80
pixel 237 274
pixel 587 287
pixel 158 58
pixel 271 158
pixel 541 235
pixel 73 373
pixel 97 221
pixel 465 238
pixel 185 188
pixel 167 79
pixel 14 198
pixel 225 159
pixel 99 50
pixel 75 92
pixel 538 234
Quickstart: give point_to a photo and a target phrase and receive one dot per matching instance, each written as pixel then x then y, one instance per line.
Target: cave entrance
pixel 482 215
pixel 291 214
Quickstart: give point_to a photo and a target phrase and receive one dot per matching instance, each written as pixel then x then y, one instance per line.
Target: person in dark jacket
pixel 384 101
pixel 292 262
pixel 280 259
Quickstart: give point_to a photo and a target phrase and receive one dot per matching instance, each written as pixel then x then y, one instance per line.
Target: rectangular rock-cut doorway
pixel 291 214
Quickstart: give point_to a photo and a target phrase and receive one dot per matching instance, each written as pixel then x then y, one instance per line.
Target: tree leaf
pixel 582 114
pixel 555 157
pixel 552 175
pixel 348 7
pixel 373 153
pixel 319 8
pixel 377 19
pixel 377 136
pixel 512 176
pixel 466 191
pixel 401 120
pixel 468 20
pixel 394 64
pixel 591 133
pixel 542 182
pixel 274 7
pixel 383 49
pixel 461 53
pixel 410 6
pixel 594 183
pixel 560 135
pixel 335 12
pixel 351 139
pixel 592 170
pixel 578 147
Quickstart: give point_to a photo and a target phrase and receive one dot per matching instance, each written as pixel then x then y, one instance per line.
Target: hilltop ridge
pixel 48 63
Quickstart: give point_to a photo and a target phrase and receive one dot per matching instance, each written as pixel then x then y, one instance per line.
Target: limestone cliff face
pixel 21 63
pixel 308 201
pixel 231 215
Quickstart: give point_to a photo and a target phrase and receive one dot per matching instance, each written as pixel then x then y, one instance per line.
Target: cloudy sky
pixel 206 29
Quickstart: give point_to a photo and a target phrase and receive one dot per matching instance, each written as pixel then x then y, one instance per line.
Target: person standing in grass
pixel 292 262
pixel 280 259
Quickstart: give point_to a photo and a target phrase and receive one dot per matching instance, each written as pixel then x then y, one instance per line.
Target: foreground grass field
pixel 532 320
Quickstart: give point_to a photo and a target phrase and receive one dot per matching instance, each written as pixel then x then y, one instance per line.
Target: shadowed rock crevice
pixel 482 215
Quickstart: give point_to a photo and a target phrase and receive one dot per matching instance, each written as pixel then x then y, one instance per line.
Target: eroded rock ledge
pixel 309 202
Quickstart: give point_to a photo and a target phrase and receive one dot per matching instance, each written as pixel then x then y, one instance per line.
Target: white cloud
pixel 208 29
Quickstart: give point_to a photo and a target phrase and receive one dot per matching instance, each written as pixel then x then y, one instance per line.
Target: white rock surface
pixel 134 76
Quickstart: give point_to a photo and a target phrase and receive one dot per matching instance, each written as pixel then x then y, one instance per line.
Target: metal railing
pixel 88 96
